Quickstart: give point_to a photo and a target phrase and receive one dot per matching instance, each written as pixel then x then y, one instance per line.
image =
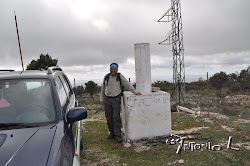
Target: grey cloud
pixel 211 29
pixel 216 26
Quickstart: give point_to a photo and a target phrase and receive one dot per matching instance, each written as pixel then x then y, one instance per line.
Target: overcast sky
pixel 87 35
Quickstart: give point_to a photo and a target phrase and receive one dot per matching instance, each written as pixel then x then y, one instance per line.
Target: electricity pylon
pixel 175 37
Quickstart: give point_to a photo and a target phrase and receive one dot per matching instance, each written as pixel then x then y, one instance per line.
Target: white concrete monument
pixel 143 68
pixel 147 115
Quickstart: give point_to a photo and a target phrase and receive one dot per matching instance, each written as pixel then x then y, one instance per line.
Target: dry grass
pixel 215 129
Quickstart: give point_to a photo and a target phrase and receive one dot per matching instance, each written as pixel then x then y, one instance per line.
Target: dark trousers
pixel 112 107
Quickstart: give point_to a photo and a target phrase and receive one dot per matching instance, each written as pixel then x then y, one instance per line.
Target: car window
pixel 66 86
pixel 33 85
pixel 61 93
pixel 26 101
pixel 68 83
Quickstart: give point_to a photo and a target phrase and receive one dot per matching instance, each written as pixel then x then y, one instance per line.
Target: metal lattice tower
pixel 175 37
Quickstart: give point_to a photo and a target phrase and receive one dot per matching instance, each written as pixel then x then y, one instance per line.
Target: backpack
pixel 118 78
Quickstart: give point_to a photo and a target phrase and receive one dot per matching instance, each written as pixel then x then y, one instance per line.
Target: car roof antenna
pixel 18 40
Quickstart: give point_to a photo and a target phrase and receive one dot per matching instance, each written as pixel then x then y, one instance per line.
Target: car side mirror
pixel 76 114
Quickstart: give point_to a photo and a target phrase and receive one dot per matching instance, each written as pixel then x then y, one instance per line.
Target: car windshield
pixel 26 101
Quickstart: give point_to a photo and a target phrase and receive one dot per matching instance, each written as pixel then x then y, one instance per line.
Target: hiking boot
pixel 119 139
pixel 111 135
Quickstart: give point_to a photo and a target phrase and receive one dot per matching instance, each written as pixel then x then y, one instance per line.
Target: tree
pixel 197 85
pixel 91 88
pixel 233 83
pixel 244 79
pixel 219 80
pixel 44 62
pixel 79 90
pixel 233 77
pixel 163 85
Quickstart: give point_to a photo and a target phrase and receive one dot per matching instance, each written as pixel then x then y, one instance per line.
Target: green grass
pixel 98 150
pixel 182 121
pixel 86 99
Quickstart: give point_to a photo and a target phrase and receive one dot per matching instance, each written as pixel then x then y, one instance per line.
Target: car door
pixel 66 98
pixel 77 126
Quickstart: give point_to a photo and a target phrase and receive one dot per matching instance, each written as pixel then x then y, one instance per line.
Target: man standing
pixel 110 97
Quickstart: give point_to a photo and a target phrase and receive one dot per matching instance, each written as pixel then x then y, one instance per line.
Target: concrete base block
pixel 146 116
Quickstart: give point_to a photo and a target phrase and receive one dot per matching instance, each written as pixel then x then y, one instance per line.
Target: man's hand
pixel 102 102
pixel 138 93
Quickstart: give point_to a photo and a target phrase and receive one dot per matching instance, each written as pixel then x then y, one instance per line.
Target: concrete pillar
pixel 142 67
pixel 148 115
